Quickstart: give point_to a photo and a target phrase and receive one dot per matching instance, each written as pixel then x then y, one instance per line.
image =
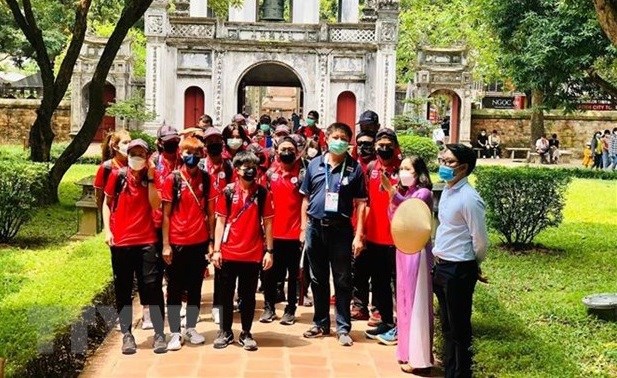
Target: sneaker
pixel 175 342
pixel 307 301
pixel 223 339
pixel 374 332
pixel 388 338
pixel 146 321
pixel 359 314
pixel 288 319
pixel 159 345
pixel 128 344
pixel 268 316
pixel 344 339
pixel 216 315
pixel 247 341
pixel 193 336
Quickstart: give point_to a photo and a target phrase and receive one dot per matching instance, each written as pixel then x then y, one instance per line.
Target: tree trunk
pixel 607 16
pixel 41 135
pixel 537 115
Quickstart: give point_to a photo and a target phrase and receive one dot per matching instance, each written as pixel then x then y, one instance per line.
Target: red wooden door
pixel 108 123
pixel 193 106
pixel 346 109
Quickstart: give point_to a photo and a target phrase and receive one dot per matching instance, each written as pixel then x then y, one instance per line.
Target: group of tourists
pixel 489 144
pixel 262 204
pixel 601 151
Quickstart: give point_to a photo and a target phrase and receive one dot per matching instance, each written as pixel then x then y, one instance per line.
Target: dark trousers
pixel 286 258
pixel 330 248
pixel 185 274
pixel 375 263
pixel 216 296
pixel 146 263
pixel 454 283
pixel 247 275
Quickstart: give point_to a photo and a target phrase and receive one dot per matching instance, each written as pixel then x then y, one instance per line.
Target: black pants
pixel 376 263
pixel 454 284
pixel 286 258
pixel 216 296
pixel 185 274
pixel 146 263
pixel 247 275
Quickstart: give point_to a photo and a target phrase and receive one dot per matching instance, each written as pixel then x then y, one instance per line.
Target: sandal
pixel 315 331
pixel 406 368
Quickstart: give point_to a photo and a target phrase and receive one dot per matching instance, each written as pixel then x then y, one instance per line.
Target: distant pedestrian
pixel 606 141
pixel 596 148
pixel 613 149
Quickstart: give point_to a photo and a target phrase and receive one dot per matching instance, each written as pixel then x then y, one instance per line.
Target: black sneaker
pixel 223 339
pixel 379 330
pixel 159 345
pixel 247 341
pixel 288 319
pixel 128 344
pixel 268 316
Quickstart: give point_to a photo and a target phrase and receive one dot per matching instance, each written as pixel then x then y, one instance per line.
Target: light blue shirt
pixel 461 235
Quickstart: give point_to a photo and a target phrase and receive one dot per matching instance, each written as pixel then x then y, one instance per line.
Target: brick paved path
pixel 283 352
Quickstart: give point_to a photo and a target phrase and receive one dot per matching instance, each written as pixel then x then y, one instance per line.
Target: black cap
pixel 265 120
pixel 314 114
pixel 368 117
pixel 386 134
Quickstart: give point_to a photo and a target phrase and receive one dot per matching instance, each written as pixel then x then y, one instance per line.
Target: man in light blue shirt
pixel 460 246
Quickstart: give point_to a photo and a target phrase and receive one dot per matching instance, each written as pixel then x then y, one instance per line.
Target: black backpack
pixel 261 198
pixel 228 169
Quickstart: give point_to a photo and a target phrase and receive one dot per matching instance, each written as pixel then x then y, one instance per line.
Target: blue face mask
pixel 338 146
pixel 446 173
pixel 190 160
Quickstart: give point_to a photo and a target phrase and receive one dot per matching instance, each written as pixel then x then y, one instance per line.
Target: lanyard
pixel 247 204
pixel 340 179
pixel 188 184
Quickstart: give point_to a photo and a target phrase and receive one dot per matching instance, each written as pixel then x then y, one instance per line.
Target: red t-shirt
pixel 217 174
pixel 245 241
pixel 131 221
pixel 162 168
pixel 354 216
pixel 188 223
pixel 100 180
pixel 287 202
pixel 316 134
pixel 377 222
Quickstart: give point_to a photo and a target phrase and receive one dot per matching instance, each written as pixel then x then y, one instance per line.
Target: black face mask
pixel 385 153
pixel 366 149
pixel 215 149
pixel 170 147
pixel 250 174
pixel 287 157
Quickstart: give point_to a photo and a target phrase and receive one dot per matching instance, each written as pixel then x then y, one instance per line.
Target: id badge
pixel 226 232
pixel 331 202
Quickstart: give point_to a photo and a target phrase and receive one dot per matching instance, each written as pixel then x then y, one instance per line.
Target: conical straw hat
pixel 411 226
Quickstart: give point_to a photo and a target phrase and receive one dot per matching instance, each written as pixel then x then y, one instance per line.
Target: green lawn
pixel 46 279
pixel 530 321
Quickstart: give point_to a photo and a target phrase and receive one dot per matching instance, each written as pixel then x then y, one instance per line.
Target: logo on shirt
pixel 275 176
pixel 201 187
pixel 374 174
pixel 221 175
pixel 235 198
pixel 294 180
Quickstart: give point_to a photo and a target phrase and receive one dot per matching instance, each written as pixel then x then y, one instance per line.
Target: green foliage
pixel 151 140
pixel 134 108
pixel 18 154
pixel 521 202
pixel 104 28
pixel 22 184
pixel 419 146
pixel 412 125
pixel 581 173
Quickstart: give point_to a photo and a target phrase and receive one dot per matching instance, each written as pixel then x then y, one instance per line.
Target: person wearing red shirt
pixel 188 224
pixel 114 147
pixel 365 147
pixel 239 246
pixel 376 262
pixel 165 161
pixel 312 131
pixel 129 232
pixel 284 180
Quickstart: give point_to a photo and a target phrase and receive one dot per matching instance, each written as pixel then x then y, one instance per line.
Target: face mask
pixel 249 174
pixel 215 149
pixel 190 160
pixel 407 178
pixel 446 173
pixel 170 147
pixel 310 122
pixel 366 150
pixel 385 153
pixel 338 146
pixel 311 152
pixel 234 143
pixel 482 133
pixel 123 149
pixel 287 157
pixel 137 163
pixel 264 127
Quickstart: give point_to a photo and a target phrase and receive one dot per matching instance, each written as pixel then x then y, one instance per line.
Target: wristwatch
pixel 269 251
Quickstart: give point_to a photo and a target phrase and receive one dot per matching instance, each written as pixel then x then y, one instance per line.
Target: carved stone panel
pixel 195 60
pixel 346 65
pixel 154 25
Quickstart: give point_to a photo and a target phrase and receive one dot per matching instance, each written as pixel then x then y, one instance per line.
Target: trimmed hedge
pixel 521 202
pixel 419 146
pixel 582 173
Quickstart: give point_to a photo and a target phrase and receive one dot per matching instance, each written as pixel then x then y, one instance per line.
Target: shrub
pixel 419 146
pixel 22 184
pixel 150 139
pixel 582 173
pixel 412 125
pixel 521 202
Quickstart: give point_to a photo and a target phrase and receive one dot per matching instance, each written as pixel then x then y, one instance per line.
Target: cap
pixel 368 117
pixel 167 132
pixel 411 226
pixel 387 134
pixel 282 129
pixel 300 140
pixel 314 114
pixel 238 118
pixel 212 131
pixel 265 119
pixel 138 143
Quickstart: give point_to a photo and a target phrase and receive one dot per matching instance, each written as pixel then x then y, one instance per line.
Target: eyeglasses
pixel 448 162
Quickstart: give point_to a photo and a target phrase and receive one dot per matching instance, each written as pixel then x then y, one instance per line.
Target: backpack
pixel 107 168
pixel 120 183
pixel 228 169
pixel 261 198
pixel 177 186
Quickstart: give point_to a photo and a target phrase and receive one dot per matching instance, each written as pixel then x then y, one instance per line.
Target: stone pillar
pixel 322 90
pixel 247 12
pixel 305 11
pixel 199 8
pixel 156 29
pixel 386 31
pixel 349 11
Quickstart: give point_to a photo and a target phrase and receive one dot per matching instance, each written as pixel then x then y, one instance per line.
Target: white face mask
pixel 123 149
pixel 137 163
pixel 407 178
pixel 311 152
pixel 234 143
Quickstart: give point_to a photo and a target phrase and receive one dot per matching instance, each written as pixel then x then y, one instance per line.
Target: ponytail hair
pixel 110 141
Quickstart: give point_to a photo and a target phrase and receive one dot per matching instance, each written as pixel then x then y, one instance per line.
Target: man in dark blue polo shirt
pixel 333 184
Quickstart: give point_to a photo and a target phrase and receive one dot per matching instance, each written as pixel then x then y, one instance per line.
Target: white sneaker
pixel 216 315
pixel 194 337
pixel 307 301
pixel 146 321
pixel 175 342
